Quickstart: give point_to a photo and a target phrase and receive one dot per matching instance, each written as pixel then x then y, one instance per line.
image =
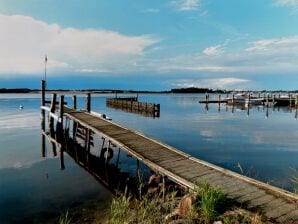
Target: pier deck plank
pixel 277 204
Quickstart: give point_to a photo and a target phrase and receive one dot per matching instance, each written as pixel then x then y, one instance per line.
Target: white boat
pixel 237 99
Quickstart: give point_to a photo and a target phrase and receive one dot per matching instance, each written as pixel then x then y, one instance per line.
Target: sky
pixel 149 45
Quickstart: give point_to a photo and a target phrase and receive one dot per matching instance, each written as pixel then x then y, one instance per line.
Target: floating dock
pixel 132 105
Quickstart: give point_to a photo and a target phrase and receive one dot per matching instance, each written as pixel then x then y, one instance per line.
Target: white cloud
pixel 151 10
pixel 221 83
pixel 186 5
pixel 293 3
pixel 24 41
pixel 265 56
pixel 213 50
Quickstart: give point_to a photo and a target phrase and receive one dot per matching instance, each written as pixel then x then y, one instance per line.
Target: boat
pixel 284 101
pixel 254 101
pixel 237 99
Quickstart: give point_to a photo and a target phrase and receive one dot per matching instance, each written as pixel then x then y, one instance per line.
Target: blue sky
pixel 152 45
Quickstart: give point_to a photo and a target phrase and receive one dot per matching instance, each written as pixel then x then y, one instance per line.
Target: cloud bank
pixel 24 42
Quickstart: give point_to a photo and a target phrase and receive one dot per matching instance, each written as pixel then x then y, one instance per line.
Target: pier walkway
pixel 276 204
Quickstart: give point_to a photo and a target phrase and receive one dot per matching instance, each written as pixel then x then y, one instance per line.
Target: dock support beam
pixel 43 122
pixel 88 102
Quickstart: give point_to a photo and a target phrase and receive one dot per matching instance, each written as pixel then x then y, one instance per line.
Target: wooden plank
pixel 261 201
pixel 252 196
pixel 248 190
pixel 281 210
pixel 178 167
pixel 191 175
pixel 291 217
pixel 267 207
pixel 206 177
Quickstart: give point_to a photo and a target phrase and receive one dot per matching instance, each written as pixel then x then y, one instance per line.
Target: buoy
pixel 21 107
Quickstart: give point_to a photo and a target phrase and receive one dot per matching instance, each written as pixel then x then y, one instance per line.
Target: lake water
pixel 264 143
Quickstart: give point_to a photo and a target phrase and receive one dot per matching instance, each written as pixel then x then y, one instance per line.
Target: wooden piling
pixel 88 102
pixel 52 111
pixel 61 155
pixel 61 109
pixel 43 89
pixel 74 102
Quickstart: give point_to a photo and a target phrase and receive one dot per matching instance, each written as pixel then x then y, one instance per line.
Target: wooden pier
pixel 134 106
pixel 278 205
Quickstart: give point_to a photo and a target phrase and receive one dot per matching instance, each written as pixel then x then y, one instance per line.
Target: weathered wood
pixel 133 106
pixel 52 111
pixel 88 102
pixel 188 171
pixel 74 102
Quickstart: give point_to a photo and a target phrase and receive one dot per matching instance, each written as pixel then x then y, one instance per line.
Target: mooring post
pixel 157 110
pixel 61 155
pixel 43 89
pixel 74 124
pixel 107 152
pixel 52 111
pixel 43 138
pixel 296 102
pixel 74 102
pixel 219 96
pixel 88 102
pixel 290 100
pixel 61 110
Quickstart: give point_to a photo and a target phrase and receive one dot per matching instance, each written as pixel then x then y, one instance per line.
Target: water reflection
pixel 98 156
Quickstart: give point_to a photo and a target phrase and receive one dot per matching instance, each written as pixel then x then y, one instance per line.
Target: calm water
pixel 31 186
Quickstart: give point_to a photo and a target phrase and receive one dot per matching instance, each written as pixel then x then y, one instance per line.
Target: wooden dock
pixel 132 105
pixel 277 204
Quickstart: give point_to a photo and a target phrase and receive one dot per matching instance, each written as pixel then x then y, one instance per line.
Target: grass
pixel 210 199
pixel 210 205
pixel 120 210
pixel 64 218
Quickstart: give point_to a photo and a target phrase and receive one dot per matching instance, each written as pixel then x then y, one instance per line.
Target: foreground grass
pixel 205 205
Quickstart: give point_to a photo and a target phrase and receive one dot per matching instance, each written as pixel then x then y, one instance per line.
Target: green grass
pixel 211 205
pixel 210 199
pixel 64 219
pixel 120 210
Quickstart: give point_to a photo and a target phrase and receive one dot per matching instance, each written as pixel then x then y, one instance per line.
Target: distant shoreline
pixel 111 91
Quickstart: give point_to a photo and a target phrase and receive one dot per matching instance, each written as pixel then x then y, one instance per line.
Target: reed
pixel 210 200
pixel 64 218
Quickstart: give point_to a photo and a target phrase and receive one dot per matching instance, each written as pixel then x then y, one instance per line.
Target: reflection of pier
pixel 132 105
pixel 276 204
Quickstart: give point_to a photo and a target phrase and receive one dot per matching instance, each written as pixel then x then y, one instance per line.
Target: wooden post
pixel 296 103
pixel 61 155
pixel 61 109
pixel 88 102
pixel 290 100
pixel 157 110
pixel 43 89
pixel 74 102
pixel 43 138
pixel 107 152
pixel 52 110
pixel 219 99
